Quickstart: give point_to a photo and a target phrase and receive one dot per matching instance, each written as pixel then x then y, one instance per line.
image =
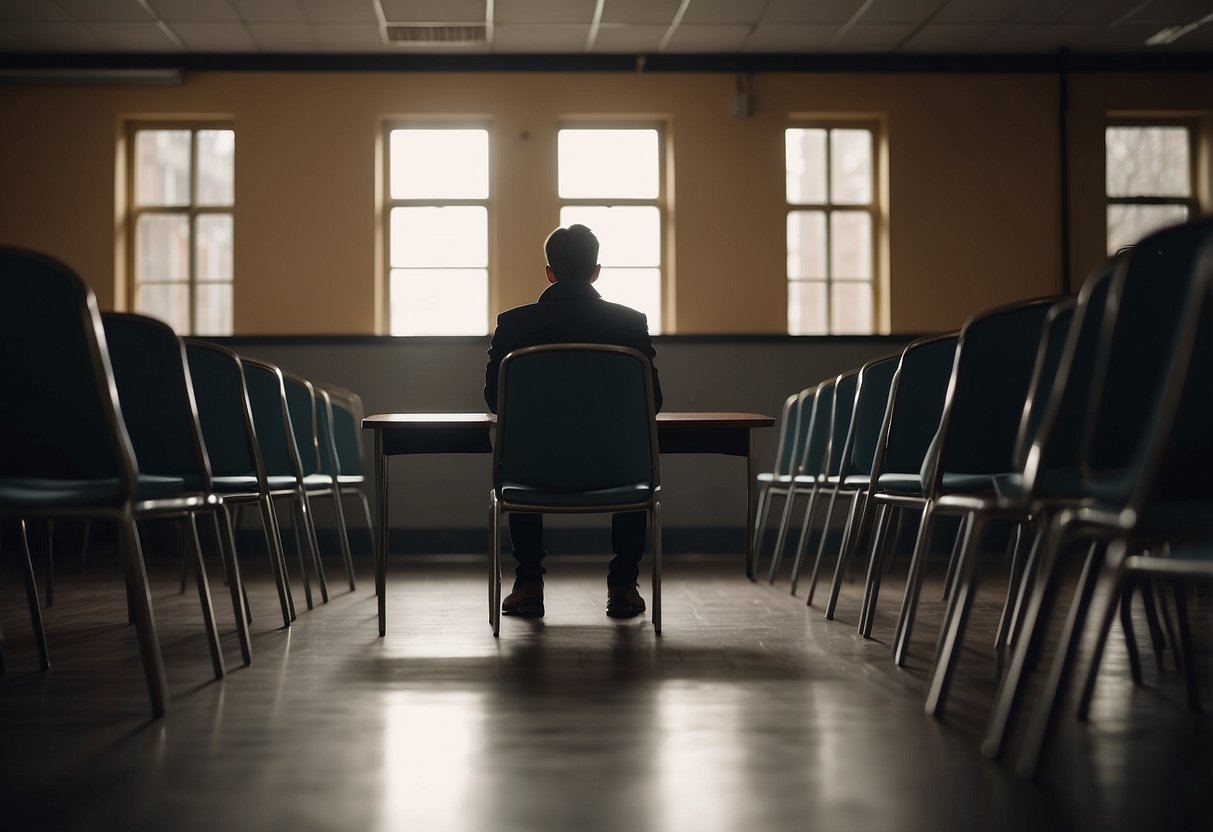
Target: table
pixel 731 434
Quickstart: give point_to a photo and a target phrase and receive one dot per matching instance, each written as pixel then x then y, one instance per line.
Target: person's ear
pixel 594 274
pixel 551 275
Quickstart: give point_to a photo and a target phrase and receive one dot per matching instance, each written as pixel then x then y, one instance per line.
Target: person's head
pixel 572 254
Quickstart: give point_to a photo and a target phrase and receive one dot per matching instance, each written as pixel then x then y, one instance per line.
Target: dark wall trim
pixel 483 340
pixel 391 62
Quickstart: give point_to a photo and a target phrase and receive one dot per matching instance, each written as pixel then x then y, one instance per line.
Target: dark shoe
pixel 526 601
pixel 624 601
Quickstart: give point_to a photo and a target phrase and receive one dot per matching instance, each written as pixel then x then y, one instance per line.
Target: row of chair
pixel 115 417
pixel 1081 424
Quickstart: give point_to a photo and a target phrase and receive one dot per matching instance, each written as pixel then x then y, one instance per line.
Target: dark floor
pixel 750 713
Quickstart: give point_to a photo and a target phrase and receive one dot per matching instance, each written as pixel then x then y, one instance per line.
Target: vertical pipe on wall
pixel 1063 138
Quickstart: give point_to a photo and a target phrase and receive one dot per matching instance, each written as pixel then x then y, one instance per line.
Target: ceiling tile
pixel 10 42
pixel 651 12
pixel 975 11
pixel 339 11
pixel 816 12
pixel 132 37
pixel 25 10
pixel 269 11
pixel 874 38
pixel 704 38
pixel 540 38
pixel 629 38
pixel 1036 12
pixel 64 36
pixel 347 37
pixel 214 37
pixel 1171 11
pixel 434 11
pixel 724 11
pixel 789 38
pixel 947 37
pixel 1099 11
pixel 543 11
pixel 899 11
pixel 194 11
pixel 1015 37
pixel 126 11
pixel 282 37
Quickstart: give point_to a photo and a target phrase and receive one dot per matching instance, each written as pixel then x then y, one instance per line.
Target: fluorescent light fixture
pixel 1171 34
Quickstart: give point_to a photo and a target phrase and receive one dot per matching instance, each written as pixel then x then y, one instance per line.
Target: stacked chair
pixel 1081 425
pixel 115 418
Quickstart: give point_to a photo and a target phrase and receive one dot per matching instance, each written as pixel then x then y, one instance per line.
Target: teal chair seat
pixel 528 495
pixel 234 484
pixel 968 483
pixel 770 477
pixel 39 492
pixel 317 481
pixel 894 483
pixel 857 480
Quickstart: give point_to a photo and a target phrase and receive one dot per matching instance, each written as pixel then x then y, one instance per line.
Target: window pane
pixel 605 164
pixel 439 301
pixel 806 307
pixel 1148 161
pixel 807 244
pixel 162 167
pixel 805 163
pixel 445 236
pixel 169 302
pixel 214 309
pixel 1129 223
pixel 637 288
pixel 216 167
pixel 851 244
pixel 162 245
pixel 213 238
pixel 851 308
pixel 627 235
pixel 439 164
pixel 851 166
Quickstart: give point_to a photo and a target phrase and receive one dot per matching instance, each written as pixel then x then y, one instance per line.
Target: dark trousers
pixel 627 542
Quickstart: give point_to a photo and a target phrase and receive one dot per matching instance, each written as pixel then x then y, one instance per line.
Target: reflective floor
pixel 750 713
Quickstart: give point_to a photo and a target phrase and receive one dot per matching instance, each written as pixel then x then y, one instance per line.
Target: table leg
pixel 751 504
pixel 381 544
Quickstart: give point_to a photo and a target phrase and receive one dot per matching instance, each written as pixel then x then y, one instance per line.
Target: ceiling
pixel 601 26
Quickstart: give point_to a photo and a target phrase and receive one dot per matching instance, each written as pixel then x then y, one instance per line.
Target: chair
pixel 66 451
pixel 855 474
pixel 345 454
pixel 162 419
pixel 807 479
pixel 238 475
pixel 911 421
pixel 576 433
pixel 1145 458
pixel 283 470
pixel 777 481
pixel 310 420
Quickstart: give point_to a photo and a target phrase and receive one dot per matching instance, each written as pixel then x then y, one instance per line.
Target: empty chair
pixel 576 433
pixel 238 475
pixel 345 453
pixel 310 422
pixel 778 481
pixel 66 451
pixel 807 481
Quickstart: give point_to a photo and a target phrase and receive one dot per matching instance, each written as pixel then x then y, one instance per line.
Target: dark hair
pixel 572 252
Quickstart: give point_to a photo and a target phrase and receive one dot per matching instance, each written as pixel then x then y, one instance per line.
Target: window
pixel 438 230
pixel 1149 179
pixel 610 180
pixel 181 225
pixel 831 237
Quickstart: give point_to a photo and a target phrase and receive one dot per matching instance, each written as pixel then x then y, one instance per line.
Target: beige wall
pixel 971 167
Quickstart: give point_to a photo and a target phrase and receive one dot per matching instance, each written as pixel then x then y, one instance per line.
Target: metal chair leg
pixel 821 547
pixel 909 600
pixel 343 537
pixel 1013 582
pixel 806 531
pixel 235 585
pixel 761 509
pixel 145 621
pixel 1185 647
pixel 875 571
pixel 1126 624
pixel 295 532
pixel 785 521
pixel 495 606
pixel 1113 595
pixel 655 522
pixel 31 599
pixel 849 533
pixel 950 575
pixel 190 530
pixel 304 509
pixel 273 542
pixel 947 649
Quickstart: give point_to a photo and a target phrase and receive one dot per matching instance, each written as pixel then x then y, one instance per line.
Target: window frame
pixel 872 208
pixel 660 202
pixel 389 203
pixel 1192 201
pixel 191 211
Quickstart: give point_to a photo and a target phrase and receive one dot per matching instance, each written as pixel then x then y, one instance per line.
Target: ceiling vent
pixel 434 34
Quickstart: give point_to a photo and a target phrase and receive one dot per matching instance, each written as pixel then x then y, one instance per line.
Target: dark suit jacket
pixel 567 312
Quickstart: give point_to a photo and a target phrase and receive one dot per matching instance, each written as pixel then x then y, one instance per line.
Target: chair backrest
pixel 271 418
pixel 575 417
pixel 989 386
pixel 1053 338
pixel 330 464
pixel 154 383
pixel 915 404
pixel 817 433
pixel 871 402
pixel 845 386
pixel 60 417
pixel 301 403
pixel 785 450
pixel 223 410
pixel 347 430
